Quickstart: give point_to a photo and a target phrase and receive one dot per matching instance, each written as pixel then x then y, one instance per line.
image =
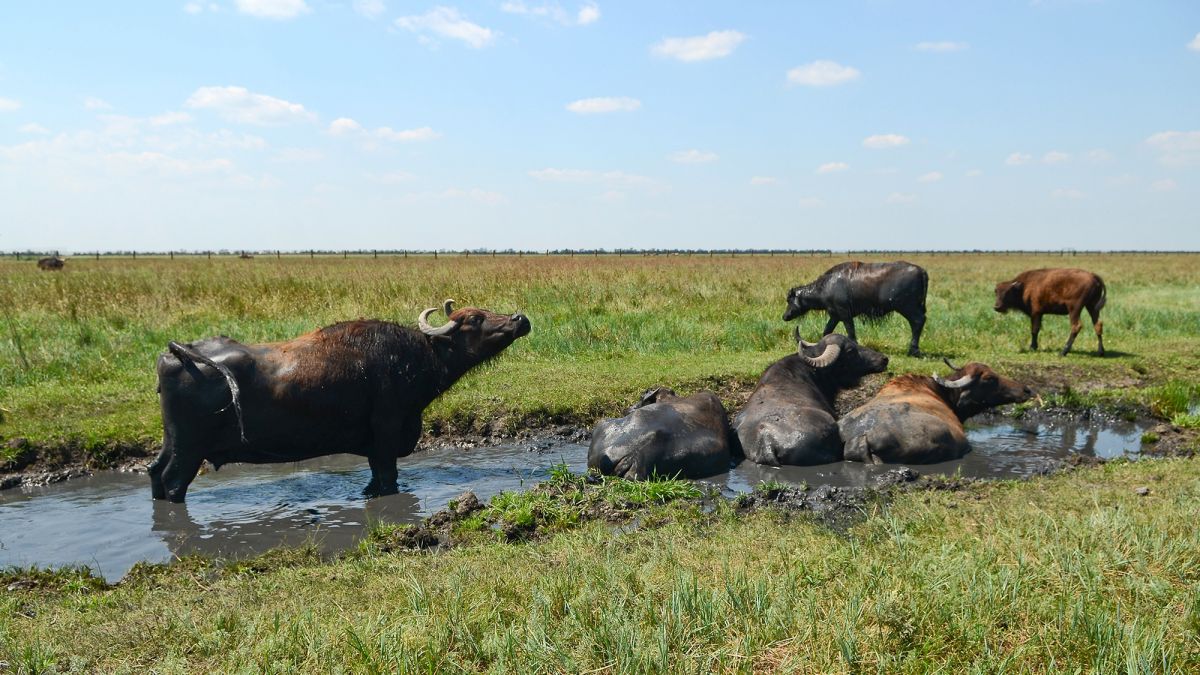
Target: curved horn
pixel 448 306
pixel 964 381
pixel 951 366
pixel 799 340
pixel 831 353
pixel 423 324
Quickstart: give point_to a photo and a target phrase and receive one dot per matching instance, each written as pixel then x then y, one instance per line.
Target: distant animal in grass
pixel 51 264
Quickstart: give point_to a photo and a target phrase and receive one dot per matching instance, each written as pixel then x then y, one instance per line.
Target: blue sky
pixel 384 124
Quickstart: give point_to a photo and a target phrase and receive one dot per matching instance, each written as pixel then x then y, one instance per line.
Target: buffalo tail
pixel 185 354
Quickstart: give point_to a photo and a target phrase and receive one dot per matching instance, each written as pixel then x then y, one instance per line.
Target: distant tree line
pixel 594 252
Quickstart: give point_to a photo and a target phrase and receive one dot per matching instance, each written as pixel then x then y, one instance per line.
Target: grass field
pixel 1072 573
pixel 77 348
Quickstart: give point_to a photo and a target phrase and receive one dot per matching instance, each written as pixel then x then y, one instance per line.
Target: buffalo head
pixel 1009 296
pixel 475 331
pixel 979 388
pixel 800 301
pixel 841 357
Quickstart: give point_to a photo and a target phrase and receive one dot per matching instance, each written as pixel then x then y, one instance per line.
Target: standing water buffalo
pixel 51 264
pixel 865 289
pixel 789 418
pixel 1055 291
pixel 664 434
pixel 918 420
pixel 357 387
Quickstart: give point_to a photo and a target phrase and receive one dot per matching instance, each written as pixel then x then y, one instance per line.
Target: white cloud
pixel 407 135
pixel 619 178
pixel 157 162
pixel 588 13
pixel 901 198
pixel 931 177
pixel 810 202
pixel 476 195
pixel 715 45
pixel 448 22
pixel 693 157
pixel 832 167
pixel 822 74
pixel 1055 157
pixel 764 180
pixel 1164 185
pixel 1194 45
pixel 1176 148
pixel 974 173
pixel 201 7
pixel 169 118
pixel 343 126
pixel 592 106
pixel 9 105
pixel 1098 156
pixel 33 128
pixel 372 9
pixel 296 155
pixel 390 178
pixel 944 46
pixel 1067 193
pixel 273 9
pixel 238 104
pixel 882 141
pixel 1018 158
pixel 93 103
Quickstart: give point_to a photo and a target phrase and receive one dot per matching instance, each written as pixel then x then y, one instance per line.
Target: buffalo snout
pixel 523 325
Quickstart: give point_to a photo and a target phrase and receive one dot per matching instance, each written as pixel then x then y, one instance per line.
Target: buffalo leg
pixel 1098 326
pixel 179 473
pixel 848 322
pixel 392 440
pixel 1076 325
pixel 917 324
pixel 155 470
pixel 830 325
pixel 1035 327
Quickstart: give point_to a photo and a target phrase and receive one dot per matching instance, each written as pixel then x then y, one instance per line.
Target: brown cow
pixel 1055 291
pixel 916 419
pixel 51 264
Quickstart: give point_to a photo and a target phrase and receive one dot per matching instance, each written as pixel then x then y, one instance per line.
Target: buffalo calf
pixel 666 435
pixel 918 420
pixel 1055 291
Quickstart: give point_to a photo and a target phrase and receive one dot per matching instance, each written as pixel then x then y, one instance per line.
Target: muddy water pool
pixel 108 521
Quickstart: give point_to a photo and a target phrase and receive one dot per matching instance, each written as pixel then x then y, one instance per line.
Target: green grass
pixel 1072 573
pixel 77 348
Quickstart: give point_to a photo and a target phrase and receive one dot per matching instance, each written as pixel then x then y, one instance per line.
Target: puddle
pixel 109 522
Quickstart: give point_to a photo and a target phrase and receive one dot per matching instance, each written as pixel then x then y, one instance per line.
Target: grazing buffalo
pixel 357 387
pixel 918 420
pixel 51 264
pixel 1055 291
pixel 871 290
pixel 666 435
pixel 789 418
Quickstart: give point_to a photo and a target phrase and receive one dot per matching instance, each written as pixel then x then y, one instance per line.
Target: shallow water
pixel 109 522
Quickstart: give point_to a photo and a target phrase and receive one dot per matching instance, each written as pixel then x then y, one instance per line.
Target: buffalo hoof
pixel 374 490
pixel 913 351
pixel 1064 352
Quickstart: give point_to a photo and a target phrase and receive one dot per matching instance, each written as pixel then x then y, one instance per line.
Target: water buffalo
pixel 664 434
pixel 789 418
pixel 357 387
pixel 51 264
pixel 1055 291
pixel 918 420
pixel 871 290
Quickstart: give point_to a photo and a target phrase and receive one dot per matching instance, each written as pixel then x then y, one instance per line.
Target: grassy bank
pixel 1075 572
pixel 77 348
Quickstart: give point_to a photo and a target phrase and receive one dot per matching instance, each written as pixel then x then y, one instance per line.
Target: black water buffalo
pixel 666 435
pixel 916 419
pixel 357 387
pixel 871 290
pixel 51 264
pixel 1055 291
pixel 789 418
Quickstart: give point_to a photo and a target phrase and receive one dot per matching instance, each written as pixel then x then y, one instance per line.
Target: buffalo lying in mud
pixel 865 289
pixel 357 387
pixel 1055 291
pixel 51 264
pixel 916 419
pixel 789 418
pixel 666 435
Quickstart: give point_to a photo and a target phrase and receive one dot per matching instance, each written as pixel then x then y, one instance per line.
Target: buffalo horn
pixel 831 353
pixel 448 306
pixel 951 366
pixel 961 382
pixel 423 324
pixel 799 340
